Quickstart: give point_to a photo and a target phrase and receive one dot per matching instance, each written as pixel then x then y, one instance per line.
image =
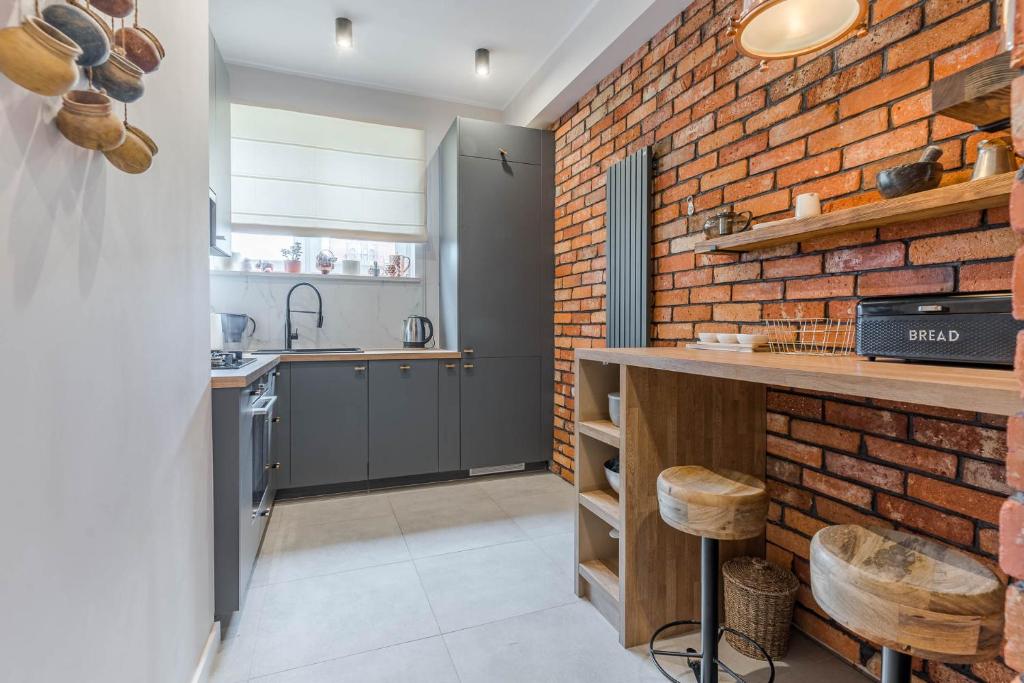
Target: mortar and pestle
pixel 919 176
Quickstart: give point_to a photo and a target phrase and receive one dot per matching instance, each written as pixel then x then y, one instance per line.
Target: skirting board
pixel 205 665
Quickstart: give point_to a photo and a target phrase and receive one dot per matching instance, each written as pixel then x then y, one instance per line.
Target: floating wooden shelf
pixel 599 575
pixel 604 504
pixel 986 193
pixel 602 430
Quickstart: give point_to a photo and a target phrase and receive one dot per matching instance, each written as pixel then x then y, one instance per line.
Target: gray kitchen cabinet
pixel 329 423
pixel 280 446
pixel 220 154
pixel 490 140
pixel 403 418
pixel 501 411
pixel 448 420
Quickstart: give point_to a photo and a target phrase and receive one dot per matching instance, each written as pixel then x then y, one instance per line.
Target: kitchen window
pixel 262 252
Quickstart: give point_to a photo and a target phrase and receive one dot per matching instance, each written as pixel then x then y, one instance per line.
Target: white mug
pixel 808 204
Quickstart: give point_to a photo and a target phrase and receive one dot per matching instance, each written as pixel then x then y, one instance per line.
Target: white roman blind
pixel 319 176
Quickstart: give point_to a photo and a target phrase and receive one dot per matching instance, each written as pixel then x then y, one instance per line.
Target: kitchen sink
pixel 345 349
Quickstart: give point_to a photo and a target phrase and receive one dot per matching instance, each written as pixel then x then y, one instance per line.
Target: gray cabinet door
pixel 448 415
pixel 329 403
pixel 403 418
pixel 487 139
pixel 500 412
pixel 280 443
pixel 500 259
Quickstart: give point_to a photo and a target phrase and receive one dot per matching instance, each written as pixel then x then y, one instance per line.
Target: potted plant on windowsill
pixel 293 258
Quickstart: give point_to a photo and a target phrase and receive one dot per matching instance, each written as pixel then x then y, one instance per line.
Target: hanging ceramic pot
pixel 38 57
pixel 115 8
pixel 84 28
pixel 140 46
pixel 135 154
pixel 120 78
pixel 88 120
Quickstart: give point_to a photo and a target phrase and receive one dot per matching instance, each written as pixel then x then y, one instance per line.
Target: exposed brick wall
pixel 725 132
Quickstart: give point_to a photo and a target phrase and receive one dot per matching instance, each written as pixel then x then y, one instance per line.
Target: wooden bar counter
pixel 701 407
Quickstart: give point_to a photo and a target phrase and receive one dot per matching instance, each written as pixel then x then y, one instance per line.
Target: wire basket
pixel 811 336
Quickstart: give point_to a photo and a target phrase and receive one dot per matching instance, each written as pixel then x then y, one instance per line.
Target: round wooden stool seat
pixel 908 593
pixel 719 504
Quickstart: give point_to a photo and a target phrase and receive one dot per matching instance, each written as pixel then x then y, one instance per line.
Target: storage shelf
pixel 599 575
pixel 986 193
pixel 602 430
pixel 604 504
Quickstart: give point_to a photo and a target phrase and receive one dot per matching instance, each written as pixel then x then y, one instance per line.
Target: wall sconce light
pixel 483 62
pixel 343 32
pixel 775 29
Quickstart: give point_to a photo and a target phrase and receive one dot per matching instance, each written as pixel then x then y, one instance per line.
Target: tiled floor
pixel 469 582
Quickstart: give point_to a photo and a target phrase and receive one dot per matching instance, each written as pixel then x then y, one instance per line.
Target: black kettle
pixel 417 331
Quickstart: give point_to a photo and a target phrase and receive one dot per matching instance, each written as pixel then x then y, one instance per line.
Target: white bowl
pixel 613 408
pixel 708 336
pixel 613 478
pixel 726 338
pixel 752 339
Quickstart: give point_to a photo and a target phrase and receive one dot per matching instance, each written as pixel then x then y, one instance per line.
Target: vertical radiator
pixel 628 192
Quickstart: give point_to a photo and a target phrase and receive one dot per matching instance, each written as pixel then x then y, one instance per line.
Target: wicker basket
pixel 759 600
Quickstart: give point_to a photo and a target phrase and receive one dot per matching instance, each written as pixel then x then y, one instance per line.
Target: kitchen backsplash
pixel 367 314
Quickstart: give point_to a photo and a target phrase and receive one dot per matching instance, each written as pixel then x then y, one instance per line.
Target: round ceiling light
pixel 773 29
pixel 483 62
pixel 343 32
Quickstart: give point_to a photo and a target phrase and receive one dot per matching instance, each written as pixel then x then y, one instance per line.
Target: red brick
pixel 825 435
pixel 881 34
pixel 737 272
pixel 869 473
pixel 1015 451
pixel 797 452
pixel 914 457
pixel 737 312
pixel 844 81
pixel 850 130
pixel 908 281
pixel 909 137
pixel 820 287
pixel 1011 536
pixel 723 175
pixel 802 125
pixel 947 527
pixel 977 441
pixel 778 423
pixel 793 266
pixel 823 632
pixel 985 277
pixel 985 475
pixel 837 488
pixel 837 513
pixel 968 502
pixel 888 255
pixel 814 167
pixel 985 244
pixel 789 495
pixel 783 469
pixel 968 55
pixel 883 9
pixel 937 38
pixel 806 525
pixel 757 291
pixel 795 404
pixel 778 156
pixel 794 543
pixel 885 90
pixel 1013 652
pixel 865 419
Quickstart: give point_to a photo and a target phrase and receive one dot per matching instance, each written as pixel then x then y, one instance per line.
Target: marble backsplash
pixel 363 313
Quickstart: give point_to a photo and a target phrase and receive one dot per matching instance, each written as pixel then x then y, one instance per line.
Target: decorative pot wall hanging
pixel 120 78
pixel 38 57
pixel 88 120
pixel 135 154
pixel 84 28
pixel 140 45
pixel 119 9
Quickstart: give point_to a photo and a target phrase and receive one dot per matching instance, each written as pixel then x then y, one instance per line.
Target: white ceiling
pixel 420 47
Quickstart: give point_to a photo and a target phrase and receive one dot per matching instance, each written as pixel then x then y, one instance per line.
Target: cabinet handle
pixel 277 373
pixel 403 368
pixel 261 513
pixel 274 466
pixel 468 366
pixel 276 419
pixel 360 368
pixel 467 350
pixel 502 152
pixel 449 365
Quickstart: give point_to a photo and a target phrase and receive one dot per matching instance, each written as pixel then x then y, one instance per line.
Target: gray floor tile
pixel 313 620
pixel 559 550
pixel 422 660
pixel 462 522
pixel 479 586
pixel 322 510
pixel 542 513
pixel 514 486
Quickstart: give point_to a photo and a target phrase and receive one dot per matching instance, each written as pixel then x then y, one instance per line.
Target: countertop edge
pixel 243 377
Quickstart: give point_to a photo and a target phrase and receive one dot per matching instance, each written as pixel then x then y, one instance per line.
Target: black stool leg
pixel 709 610
pixel 895 666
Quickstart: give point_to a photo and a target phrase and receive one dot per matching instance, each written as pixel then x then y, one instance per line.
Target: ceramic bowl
pixel 752 339
pixel 87 119
pixel 135 154
pixel 115 8
pixel 139 48
pixel 909 178
pixel 120 78
pixel 726 338
pixel 708 337
pixel 85 29
pixel 611 473
pixel 38 57
pixel 613 407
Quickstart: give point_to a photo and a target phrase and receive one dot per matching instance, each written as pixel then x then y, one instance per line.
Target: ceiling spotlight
pixel 343 32
pixel 483 62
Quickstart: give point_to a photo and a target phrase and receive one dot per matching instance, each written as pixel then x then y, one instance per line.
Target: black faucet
pixel 290 334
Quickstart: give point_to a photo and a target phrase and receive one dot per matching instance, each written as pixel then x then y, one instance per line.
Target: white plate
pixel 708 336
pixel 752 338
pixel 726 338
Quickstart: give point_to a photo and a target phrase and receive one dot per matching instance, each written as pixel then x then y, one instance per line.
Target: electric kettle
pixel 416 332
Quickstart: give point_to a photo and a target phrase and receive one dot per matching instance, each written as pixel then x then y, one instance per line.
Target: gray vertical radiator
pixel 628 191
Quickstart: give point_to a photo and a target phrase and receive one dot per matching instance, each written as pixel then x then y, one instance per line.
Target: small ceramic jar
pixel 115 8
pixel 135 154
pixel 140 47
pixel 88 120
pixel 38 57
pixel 85 29
pixel 120 78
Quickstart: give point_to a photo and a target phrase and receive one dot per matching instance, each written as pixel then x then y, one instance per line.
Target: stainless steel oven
pixel 263 400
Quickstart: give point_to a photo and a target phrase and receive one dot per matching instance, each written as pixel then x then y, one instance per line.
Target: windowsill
pixel 365 279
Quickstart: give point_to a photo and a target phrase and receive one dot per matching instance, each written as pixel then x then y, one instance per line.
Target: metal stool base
pixel 896 666
pixel 695 657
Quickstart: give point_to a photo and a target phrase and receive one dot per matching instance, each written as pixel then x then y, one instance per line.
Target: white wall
pixel 314 96
pixel 106 572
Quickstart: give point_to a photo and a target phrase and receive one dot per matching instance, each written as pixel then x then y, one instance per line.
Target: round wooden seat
pixel 718 504
pixel 908 593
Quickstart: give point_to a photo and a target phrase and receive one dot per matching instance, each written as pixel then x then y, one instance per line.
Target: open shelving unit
pixel 986 193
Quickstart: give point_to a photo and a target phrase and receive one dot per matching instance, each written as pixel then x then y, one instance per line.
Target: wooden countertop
pixel 979 389
pixel 371 354
pixel 244 376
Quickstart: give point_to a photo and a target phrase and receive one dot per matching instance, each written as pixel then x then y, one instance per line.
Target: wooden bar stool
pixel 911 595
pixel 717 505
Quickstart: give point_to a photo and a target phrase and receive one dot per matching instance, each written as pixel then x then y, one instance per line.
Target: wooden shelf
pixel 986 193
pixel 604 504
pixel 602 430
pixel 602 577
